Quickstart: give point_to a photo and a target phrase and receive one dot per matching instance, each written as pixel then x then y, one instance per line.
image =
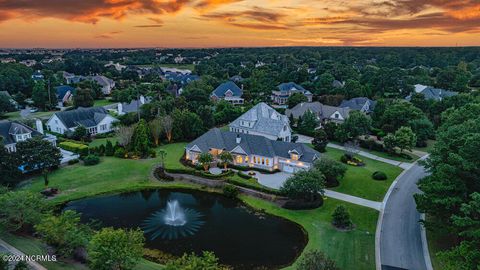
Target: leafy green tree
pixel 397 115
pixel 80 133
pixel 341 134
pixel 156 130
pixel 226 157
pixel 115 249
pixel 207 261
pixel 40 96
pixel 341 218
pixel 83 98
pixel 5 104
pixel 225 112
pixel 205 159
pixel 353 88
pixel 320 140
pixel 206 114
pixel 186 125
pixel 331 169
pixel 64 232
pixel 19 210
pixel 16 78
pixel 37 154
pixel 323 85
pixel 141 139
pixel 357 124
pixel 9 173
pixel 295 99
pixel 306 185
pixel 390 143
pixel 308 123
pixel 405 138
pixel 423 130
pixel 109 150
pixel 316 260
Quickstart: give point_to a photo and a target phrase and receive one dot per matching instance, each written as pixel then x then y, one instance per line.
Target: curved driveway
pixel 400 238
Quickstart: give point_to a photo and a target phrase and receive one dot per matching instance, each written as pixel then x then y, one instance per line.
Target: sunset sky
pixel 234 23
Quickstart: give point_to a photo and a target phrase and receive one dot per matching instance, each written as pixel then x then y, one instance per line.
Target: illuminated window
pixel 268 161
pixel 294 156
pixel 254 159
pixel 263 161
pixel 246 159
pixel 239 159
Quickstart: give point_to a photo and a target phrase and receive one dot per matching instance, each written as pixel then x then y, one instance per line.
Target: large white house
pixel 264 121
pixel 324 113
pixel 253 151
pixel 95 119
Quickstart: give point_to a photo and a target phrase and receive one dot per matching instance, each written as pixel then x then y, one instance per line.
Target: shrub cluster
pixel 378 175
pixel 77 148
pixel 73 161
pixel 351 160
pixel 246 168
pixel 230 191
pixel 91 160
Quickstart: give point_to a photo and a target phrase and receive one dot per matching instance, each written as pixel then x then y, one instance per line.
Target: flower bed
pixel 351 160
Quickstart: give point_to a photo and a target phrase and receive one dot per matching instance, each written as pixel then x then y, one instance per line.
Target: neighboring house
pixel 64 94
pixel 253 151
pixel 324 113
pixel 362 104
pixel 72 78
pixel 263 120
pixel 133 106
pixel 117 66
pixel 14 132
pixel 107 84
pixel 181 78
pixel 228 91
pixel 95 119
pixel 285 90
pixel 28 63
pixel 37 76
pixel 338 84
pixel 237 79
pixel 174 90
pixel 7 60
pixel 431 93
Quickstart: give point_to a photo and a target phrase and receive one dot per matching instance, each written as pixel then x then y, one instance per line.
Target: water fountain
pixel 174 215
pixel 172 222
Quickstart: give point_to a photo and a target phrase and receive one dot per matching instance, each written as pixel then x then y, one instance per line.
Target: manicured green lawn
pixel 428 148
pixel 386 155
pixel 16 115
pixel 358 180
pixel 353 250
pixel 98 142
pixel 102 102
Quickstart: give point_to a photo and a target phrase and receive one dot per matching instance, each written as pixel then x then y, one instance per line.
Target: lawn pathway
pixel 352 199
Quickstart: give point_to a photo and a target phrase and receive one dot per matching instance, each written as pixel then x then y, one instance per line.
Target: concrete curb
pixel 426 252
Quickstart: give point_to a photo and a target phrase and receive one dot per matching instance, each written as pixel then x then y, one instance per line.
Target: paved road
pixel 401 233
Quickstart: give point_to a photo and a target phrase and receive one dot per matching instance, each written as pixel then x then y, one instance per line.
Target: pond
pixel 179 221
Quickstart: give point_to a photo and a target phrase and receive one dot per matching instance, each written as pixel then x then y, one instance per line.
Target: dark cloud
pixel 254 18
pixel 108 35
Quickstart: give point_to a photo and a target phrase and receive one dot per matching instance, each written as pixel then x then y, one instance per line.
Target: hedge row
pixel 254 187
pixel 80 149
pixel 246 168
pixel 200 173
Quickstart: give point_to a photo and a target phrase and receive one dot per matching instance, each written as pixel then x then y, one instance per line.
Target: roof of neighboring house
pixel 9 128
pixel 236 78
pixel 287 87
pixel 338 84
pixel 87 117
pixel 321 110
pixel 181 78
pixel 62 90
pixel 252 145
pixel 431 93
pixel 267 120
pixel 102 80
pixel 226 86
pixel 358 103
pixel 5 93
pixel 134 105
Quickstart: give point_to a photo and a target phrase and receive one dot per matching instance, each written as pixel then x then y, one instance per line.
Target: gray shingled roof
pixel 321 110
pixel 134 105
pixel 358 103
pixel 252 145
pixel 291 86
pixel 7 128
pixel 86 117
pixel 224 87
pixel 267 120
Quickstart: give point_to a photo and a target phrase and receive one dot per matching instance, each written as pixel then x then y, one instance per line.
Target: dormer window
pixel 294 156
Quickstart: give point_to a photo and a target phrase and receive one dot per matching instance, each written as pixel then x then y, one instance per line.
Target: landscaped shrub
pixel 73 161
pixel 302 204
pixel 120 153
pixel 371 144
pixel 351 160
pixel 378 175
pixel 101 150
pixel 243 175
pixel 153 153
pixel 109 150
pixel 246 168
pixel 160 174
pixel 91 160
pixel 341 218
pixel 230 191
pixel 157 256
pixel 77 148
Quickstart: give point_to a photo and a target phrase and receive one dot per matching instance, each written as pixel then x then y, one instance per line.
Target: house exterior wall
pixel 55 125
pixel 105 125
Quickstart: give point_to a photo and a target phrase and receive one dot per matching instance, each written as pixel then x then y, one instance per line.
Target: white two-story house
pixel 264 121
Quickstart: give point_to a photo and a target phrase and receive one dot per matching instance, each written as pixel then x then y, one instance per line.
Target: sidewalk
pixel 355 200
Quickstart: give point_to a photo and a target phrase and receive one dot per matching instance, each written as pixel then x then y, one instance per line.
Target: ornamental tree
pixel 306 185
